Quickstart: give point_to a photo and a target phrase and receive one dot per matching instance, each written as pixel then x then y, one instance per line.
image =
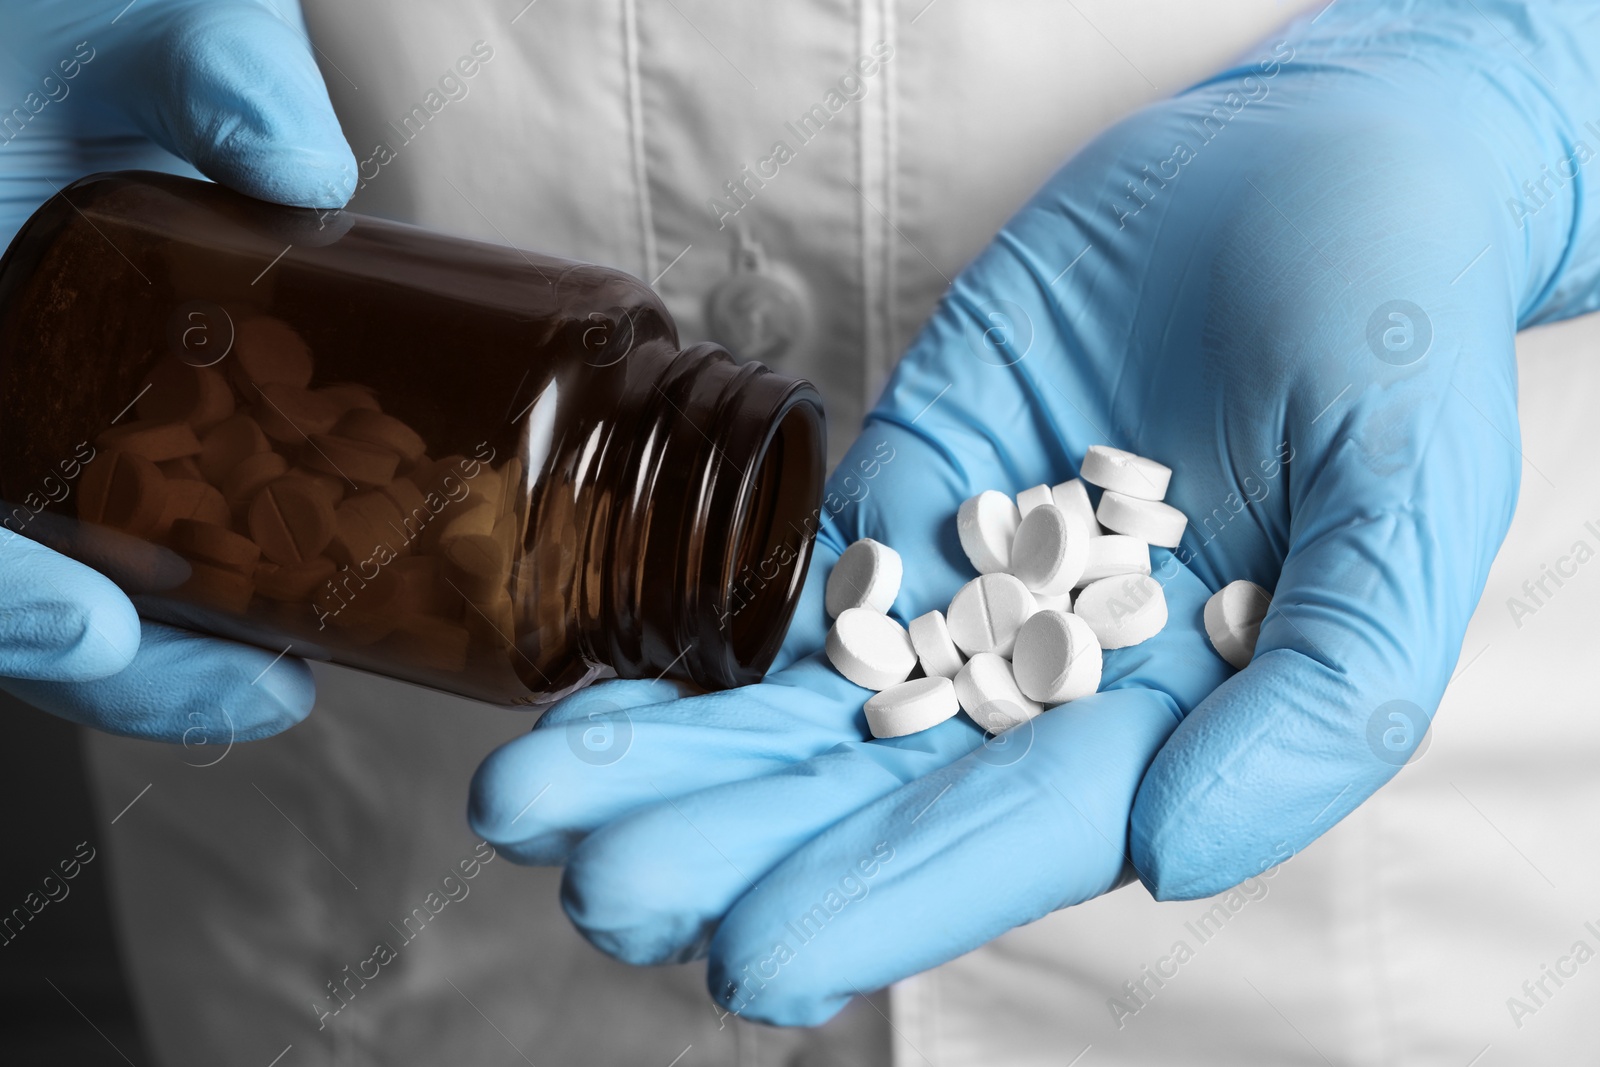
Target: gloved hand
pixel 1297 284
pixel 232 87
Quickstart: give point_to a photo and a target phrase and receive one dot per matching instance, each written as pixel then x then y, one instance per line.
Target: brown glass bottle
pixel 479 469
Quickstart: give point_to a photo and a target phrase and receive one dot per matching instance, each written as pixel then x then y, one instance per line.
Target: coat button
pixel 754 312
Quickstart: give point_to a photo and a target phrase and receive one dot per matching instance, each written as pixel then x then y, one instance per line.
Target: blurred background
pixel 63 994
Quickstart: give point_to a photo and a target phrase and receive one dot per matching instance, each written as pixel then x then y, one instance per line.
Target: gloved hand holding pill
pixel 232 88
pixel 1307 314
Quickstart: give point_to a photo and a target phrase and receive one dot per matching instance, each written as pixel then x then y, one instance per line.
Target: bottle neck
pixel 712 522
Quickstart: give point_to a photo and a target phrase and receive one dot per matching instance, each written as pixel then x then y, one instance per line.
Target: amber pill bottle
pixel 467 466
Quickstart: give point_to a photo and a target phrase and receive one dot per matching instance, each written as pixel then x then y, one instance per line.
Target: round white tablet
pixel 986 524
pixel 1233 620
pixel 1123 610
pixel 937 653
pixel 911 706
pixel 1115 554
pixel 1057 658
pixel 1029 499
pixel 1148 520
pixel 1125 473
pixel 1071 497
pixel 987 612
pixel 866 575
pixel 989 694
pixel 1050 551
pixel 870 649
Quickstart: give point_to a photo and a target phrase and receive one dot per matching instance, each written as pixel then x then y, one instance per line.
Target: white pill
pixel 1233 620
pixel 1045 602
pixel 870 649
pixel 911 706
pixel 937 653
pixel 1050 551
pixel 867 575
pixel 1115 554
pixel 986 524
pixel 988 693
pixel 1073 498
pixel 1057 658
pixel 1125 473
pixel 987 612
pixel 1123 610
pixel 1148 520
pixel 1029 499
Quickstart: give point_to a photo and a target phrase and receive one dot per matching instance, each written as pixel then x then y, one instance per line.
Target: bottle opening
pixel 704 566
pixel 778 522
pixel 751 511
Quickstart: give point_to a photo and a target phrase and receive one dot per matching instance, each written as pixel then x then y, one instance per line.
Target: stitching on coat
pixel 641 173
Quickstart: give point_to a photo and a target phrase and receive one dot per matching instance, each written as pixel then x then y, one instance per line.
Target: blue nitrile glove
pixel 1298 285
pixel 232 87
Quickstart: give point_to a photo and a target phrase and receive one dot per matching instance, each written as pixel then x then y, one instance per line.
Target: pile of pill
pixel 1059 581
pixel 311 499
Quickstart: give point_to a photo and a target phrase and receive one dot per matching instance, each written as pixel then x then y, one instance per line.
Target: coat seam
pixel 641 173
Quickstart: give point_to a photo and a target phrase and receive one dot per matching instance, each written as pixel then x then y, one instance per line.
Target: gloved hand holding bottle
pixel 231 87
pixel 1297 284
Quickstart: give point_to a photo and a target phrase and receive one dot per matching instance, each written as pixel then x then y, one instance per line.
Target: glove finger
pixel 595 760
pixel 618 694
pixel 942 865
pixel 59 620
pixel 699 854
pixel 234 89
pixel 180 682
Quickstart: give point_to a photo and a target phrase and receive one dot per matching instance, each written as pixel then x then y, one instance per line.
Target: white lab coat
pixel 603 131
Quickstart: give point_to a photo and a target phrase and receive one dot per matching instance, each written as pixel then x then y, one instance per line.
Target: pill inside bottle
pixel 463 465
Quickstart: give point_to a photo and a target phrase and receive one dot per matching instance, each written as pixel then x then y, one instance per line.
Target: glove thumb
pixel 234 89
